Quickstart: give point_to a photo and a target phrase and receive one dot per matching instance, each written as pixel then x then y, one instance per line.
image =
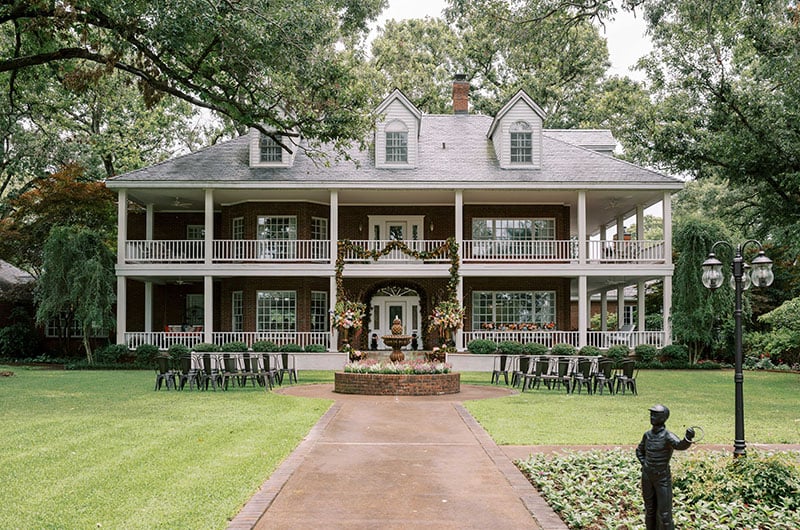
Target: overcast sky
pixel 626 40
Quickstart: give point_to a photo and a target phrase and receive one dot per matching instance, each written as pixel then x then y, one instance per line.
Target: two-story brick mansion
pixel 239 241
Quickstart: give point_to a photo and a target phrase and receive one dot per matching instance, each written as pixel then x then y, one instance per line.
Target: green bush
pixel 535 348
pixel 206 347
pixel 562 348
pixel 315 348
pixel 590 350
pixel 111 354
pixel 509 347
pixel 618 352
pixel 674 352
pixel 782 345
pixel 176 351
pixel 291 348
pixel 146 355
pixel 18 341
pixel 646 352
pixel 234 346
pixel 482 346
pixel 265 346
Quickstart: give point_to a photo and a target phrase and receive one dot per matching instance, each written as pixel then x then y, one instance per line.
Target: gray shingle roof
pixel 453 149
pixel 11 275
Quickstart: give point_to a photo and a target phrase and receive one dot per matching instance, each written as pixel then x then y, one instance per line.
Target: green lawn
pixel 102 449
pixel 694 397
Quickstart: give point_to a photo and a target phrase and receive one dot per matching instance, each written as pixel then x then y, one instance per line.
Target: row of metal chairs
pixel 223 370
pixel 570 372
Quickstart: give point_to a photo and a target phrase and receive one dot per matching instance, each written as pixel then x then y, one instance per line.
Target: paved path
pixel 397 463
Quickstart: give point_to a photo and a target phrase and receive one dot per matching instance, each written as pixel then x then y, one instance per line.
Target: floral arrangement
pixel 372 366
pixel 348 314
pixel 447 316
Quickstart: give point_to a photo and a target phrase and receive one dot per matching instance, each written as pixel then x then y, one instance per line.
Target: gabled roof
pixel 519 96
pixel 397 94
pixel 11 275
pixel 453 151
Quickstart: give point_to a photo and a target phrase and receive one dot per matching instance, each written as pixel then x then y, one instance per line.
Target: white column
pixel 122 309
pixel 667 310
pixel 148 306
pixel 639 222
pixel 122 225
pixel 209 228
pixel 208 308
pixel 604 311
pixel 640 299
pixel 620 305
pixel 334 235
pixel 667 225
pixel 148 222
pixel 620 227
pixel 459 235
pixel 583 311
pixel 332 303
pixel 582 231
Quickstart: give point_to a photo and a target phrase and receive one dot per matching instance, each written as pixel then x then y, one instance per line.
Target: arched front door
pixel 392 302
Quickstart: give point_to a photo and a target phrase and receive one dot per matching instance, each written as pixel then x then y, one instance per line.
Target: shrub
pixel 315 348
pixel 535 348
pixel 509 347
pixel 234 346
pixel 146 355
pixel 590 350
pixel 562 348
pixel 265 346
pixel 618 352
pixel 176 351
pixel 206 347
pixel 291 348
pixel 674 352
pixel 646 352
pixel 111 354
pixel 482 346
pixel 18 341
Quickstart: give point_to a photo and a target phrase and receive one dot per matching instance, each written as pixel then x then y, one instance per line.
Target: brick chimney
pixel 460 94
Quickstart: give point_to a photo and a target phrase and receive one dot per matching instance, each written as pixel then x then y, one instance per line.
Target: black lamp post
pixel 742 278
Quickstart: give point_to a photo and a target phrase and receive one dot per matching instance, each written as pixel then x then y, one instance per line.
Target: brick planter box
pixel 397 384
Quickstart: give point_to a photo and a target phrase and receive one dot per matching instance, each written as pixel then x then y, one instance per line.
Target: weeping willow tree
pixel 76 284
pixel 699 316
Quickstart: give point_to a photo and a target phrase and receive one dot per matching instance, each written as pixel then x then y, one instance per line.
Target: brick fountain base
pixel 397 384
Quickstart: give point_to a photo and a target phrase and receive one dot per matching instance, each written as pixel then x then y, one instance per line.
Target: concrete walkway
pixel 397 463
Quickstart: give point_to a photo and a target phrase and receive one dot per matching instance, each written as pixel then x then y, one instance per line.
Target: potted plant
pixel 347 315
pixel 447 316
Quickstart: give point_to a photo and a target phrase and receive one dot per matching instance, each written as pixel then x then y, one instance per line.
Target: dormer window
pixel 521 143
pixel 396 143
pixel 270 150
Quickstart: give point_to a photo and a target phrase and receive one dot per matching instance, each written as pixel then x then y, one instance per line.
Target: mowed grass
pixel 103 450
pixel 694 397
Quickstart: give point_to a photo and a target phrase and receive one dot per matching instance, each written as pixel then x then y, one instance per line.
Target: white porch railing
pixel 551 250
pixel 396 255
pixel 278 337
pixel 164 251
pixel 600 339
pixel 626 251
pixel 295 250
pixel 163 340
pixel 247 250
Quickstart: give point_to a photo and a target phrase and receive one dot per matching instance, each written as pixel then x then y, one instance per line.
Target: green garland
pixel 449 246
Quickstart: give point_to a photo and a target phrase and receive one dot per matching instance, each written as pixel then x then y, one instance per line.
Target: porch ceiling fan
pixel 178 203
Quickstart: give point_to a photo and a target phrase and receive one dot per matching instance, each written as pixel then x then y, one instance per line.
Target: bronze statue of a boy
pixel 654 453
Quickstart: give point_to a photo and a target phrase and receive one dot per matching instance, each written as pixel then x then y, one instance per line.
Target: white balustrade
pixel 626 251
pixel 395 255
pixel 163 340
pixel 248 250
pixel 600 339
pixel 164 251
pixel 523 250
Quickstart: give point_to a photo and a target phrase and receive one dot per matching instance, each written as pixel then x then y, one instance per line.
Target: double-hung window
pixel 512 238
pixel 396 143
pixel 270 150
pixel 237 311
pixel 277 237
pixel 521 143
pixel 276 311
pixel 319 311
pixel 501 310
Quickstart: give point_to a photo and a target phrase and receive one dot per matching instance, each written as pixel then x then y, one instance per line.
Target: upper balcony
pixel 319 251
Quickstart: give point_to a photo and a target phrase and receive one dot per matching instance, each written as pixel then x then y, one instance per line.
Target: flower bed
pixel 413 378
